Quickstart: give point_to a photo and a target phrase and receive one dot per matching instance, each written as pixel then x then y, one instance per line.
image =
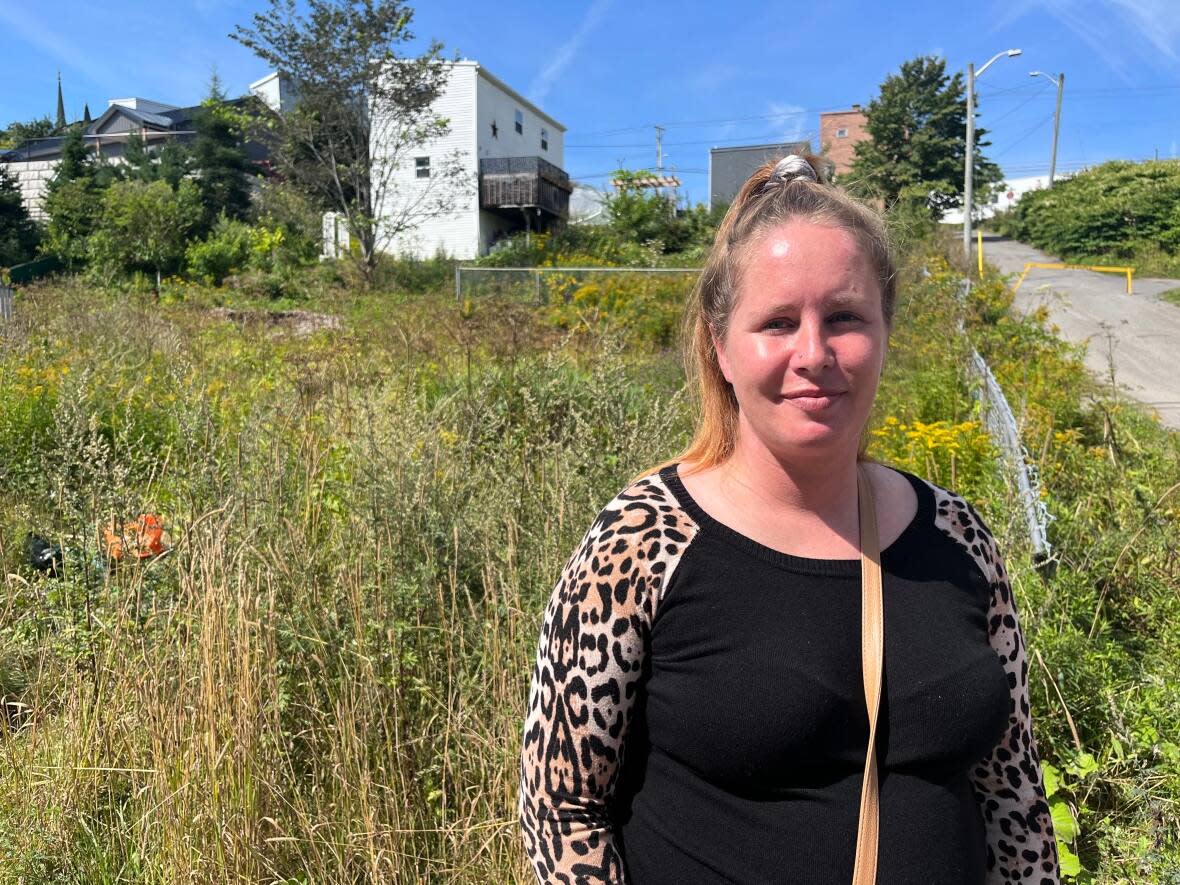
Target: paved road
pixel 1140 332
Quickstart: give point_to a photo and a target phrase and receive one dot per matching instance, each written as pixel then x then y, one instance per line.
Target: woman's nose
pixel 812 351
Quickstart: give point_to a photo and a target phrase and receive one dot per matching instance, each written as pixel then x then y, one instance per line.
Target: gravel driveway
pixel 1140 332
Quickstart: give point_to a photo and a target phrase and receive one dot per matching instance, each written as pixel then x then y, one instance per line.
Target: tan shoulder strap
pixel 872 641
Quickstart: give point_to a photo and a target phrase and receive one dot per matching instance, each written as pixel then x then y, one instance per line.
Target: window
pixel 841 133
pixel 422 167
pixel 544 139
pixel 519 123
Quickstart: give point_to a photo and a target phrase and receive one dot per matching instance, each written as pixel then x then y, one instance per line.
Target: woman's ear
pixel 719 349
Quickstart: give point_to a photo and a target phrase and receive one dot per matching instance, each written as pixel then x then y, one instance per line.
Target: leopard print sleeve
pixel 1007 782
pixel 590 659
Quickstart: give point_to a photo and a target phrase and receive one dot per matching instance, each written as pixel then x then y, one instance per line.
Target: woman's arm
pixel 1007 782
pixel 589 662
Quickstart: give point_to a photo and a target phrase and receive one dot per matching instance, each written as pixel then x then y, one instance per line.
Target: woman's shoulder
pixel 647 509
pixel 632 548
pixel 954 517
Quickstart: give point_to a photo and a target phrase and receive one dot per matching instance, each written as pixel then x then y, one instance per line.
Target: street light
pixel 969 161
pixel 1059 82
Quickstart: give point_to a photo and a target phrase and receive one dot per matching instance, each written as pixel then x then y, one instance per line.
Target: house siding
pixel 494 104
pixel 472 100
pixel 456 233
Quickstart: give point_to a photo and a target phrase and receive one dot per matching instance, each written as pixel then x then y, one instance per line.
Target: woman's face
pixel 806 341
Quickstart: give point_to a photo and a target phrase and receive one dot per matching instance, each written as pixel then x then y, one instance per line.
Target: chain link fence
pixel 1000 422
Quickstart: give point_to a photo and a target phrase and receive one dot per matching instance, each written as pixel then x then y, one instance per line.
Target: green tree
pixel 75 161
pixel 640 213
pixel 219 159
pixel 18 234
pixel 170 162
pixel 17 133
pixel 145 226
pixel 355 92
pixel 918 129
pixel 72 200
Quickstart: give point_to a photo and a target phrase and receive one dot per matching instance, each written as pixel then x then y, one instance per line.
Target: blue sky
pixel 712 74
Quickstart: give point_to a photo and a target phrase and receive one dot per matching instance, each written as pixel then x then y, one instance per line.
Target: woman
pixel 697 713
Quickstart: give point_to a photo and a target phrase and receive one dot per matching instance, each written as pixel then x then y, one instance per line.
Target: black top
pixel 740 719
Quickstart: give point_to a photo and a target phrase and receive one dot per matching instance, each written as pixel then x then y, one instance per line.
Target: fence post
pixel 458 271
pixel 537 283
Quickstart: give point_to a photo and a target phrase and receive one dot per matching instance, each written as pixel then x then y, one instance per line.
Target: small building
pixel 512 153
pixel 34 163
pixel 729 167
pixel 839 134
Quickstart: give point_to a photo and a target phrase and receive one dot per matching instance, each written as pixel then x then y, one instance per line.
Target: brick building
pixel 839 133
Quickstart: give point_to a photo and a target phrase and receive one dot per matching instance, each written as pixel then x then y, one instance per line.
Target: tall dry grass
pixel 323 680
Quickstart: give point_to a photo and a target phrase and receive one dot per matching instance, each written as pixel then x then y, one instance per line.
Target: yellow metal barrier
pixel 1102 268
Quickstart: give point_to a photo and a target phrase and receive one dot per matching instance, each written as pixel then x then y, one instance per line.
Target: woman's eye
pixel 778 325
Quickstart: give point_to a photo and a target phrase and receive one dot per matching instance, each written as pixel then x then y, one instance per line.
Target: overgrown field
pixel 324 680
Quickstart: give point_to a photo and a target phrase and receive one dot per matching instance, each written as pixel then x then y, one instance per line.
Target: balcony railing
pixel 511 183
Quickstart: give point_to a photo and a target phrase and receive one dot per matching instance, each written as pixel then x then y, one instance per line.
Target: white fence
pixel 527 283
pixel 5 303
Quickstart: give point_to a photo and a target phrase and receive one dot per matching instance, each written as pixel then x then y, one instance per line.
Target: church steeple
pixel 61 105
pixel 86 114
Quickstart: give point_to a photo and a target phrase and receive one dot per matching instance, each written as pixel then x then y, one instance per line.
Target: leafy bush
pixel 1120 211
pixel 225 251
pixel 145 226
pixel 416 276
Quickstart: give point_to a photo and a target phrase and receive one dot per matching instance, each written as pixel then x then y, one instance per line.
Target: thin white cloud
pixel 62 53
pixel 1101 23
pixel 543 82
pixel 791 117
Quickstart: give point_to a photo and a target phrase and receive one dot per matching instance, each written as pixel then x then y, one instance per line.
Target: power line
pixel 1026 135
pixel 1009 113
pixel 776 136
pixel 1016 92
pixel 720 122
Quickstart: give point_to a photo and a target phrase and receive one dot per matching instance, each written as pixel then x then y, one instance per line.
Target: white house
pixel 512 153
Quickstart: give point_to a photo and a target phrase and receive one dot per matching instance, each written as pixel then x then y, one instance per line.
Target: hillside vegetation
pixel 1117 213
pixel 324 680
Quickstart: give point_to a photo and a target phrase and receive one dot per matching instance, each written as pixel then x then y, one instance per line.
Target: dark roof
pixel 34 149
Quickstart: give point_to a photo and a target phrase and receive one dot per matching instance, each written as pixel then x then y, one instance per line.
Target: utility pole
pixel 1059 82
pixel 969 164
pixel 1056 128
pixel 659 150
pixel 969 158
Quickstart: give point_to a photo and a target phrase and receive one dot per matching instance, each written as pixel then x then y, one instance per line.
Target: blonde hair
pixel 773 195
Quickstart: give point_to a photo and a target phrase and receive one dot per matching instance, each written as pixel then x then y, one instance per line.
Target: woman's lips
pixel 814 401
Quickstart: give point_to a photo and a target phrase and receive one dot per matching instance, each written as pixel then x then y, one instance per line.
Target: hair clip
pixel 790 167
